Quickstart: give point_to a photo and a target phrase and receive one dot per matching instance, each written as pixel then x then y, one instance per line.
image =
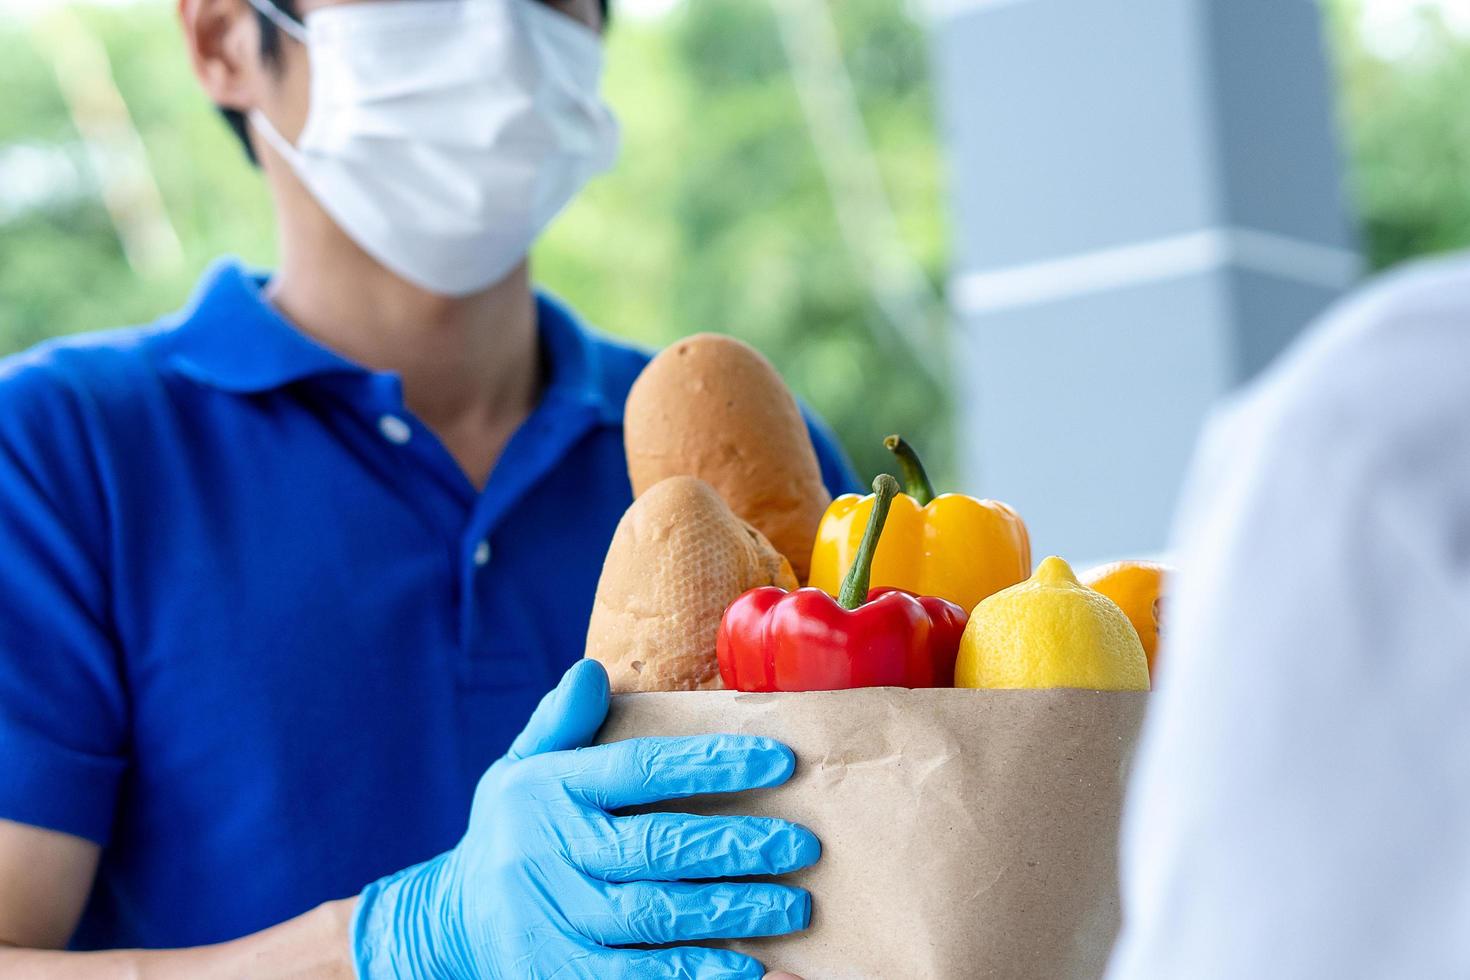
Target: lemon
pixel 1051 631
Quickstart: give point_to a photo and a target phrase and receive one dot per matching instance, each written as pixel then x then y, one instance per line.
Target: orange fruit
pixel 1138 589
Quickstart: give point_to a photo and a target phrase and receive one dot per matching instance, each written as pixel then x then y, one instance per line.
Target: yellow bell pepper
pixel 956 547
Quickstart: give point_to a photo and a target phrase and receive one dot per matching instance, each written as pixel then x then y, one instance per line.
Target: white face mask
pixel 444 135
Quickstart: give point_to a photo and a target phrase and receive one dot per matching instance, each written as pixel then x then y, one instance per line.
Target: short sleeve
pixel 62 704
pixel 837 471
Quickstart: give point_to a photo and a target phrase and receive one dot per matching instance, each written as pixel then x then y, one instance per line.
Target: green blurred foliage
pixel 718 217
pixel 62 267
pixel 1408 135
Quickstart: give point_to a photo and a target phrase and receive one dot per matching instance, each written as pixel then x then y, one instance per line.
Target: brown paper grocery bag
pixel 964 833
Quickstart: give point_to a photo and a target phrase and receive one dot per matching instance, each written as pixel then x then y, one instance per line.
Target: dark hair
pixel 270 51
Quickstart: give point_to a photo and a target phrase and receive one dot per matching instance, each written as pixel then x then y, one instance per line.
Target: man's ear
pixel 223 40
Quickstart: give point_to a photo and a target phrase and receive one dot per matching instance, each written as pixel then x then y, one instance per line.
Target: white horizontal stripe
pixel 1151 262
pixel 1293 258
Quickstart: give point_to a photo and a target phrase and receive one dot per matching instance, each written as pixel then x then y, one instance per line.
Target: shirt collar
pixel 575 364
pixel 229 337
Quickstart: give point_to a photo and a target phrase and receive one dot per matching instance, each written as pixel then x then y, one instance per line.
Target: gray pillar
pixel 1149 206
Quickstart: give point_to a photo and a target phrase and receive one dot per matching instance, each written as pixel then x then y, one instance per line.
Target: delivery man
pixel 280 575
pixel 1302 793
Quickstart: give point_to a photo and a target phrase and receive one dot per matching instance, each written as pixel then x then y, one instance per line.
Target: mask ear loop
pixel 273 136
pixel 278 142
pixel 277 16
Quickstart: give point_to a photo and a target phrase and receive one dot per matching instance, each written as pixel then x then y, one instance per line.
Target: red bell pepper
pixel 774 640
pixel 947 622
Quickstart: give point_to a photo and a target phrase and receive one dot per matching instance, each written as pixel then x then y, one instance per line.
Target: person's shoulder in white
pixel 1384 361
pixel 1302 789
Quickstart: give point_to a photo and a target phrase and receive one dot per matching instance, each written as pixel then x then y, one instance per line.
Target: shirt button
pixel 394 429
pixel 482 554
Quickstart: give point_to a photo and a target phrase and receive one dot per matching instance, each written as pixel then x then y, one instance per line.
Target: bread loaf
pixel 679 557
pixel 712 407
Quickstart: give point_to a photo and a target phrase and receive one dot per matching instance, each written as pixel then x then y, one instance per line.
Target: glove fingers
pixel 681 963
pixel 654 912
pixel 649 770
pixel 569 716
pixel 680 846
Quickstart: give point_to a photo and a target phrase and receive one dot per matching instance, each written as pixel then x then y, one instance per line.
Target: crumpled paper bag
pixel 965 833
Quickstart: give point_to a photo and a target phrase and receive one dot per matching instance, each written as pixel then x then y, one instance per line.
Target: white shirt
pixel 1300 806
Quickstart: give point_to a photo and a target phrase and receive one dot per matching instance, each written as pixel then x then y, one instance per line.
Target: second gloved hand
pixel 546 882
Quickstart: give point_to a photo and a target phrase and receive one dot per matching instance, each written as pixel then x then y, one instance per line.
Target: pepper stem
pixel 915 481
pixel 854 591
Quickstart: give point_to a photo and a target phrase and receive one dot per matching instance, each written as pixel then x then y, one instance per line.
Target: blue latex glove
pixel 545 880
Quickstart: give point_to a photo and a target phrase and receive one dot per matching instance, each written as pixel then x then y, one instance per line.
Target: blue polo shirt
pixel 259 635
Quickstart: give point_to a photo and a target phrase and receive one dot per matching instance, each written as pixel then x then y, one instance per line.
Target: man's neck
pixel 470 367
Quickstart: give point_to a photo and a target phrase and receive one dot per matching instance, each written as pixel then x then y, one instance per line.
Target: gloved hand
pixel 545 880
